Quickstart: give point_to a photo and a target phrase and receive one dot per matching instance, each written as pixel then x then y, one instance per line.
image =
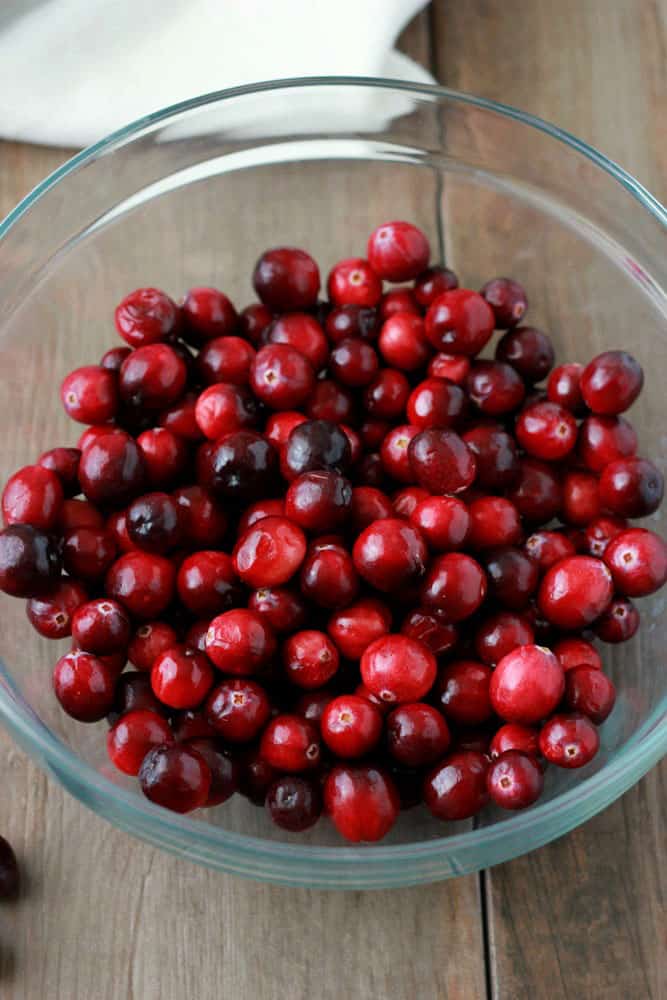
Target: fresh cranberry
pixel 527 350
pixel 398 300
pixel 456 788
pixel 240 642
pixel 619 622
pixel 453 367
pixel 495 388
pixel 241 466
pixel 386 396
pixel 84 686
pixel 34 496
pixel 311 704
pixel 354 439
pixel 238 709
pixel 352 321
pixel 279 426
pixel 512 576
pixel 281 377
pixel 133 735
pixel 114 357
pixel 546 431
pixel 548 547
pixel 508 300
pixel 180 418
pixel 330 401
pixel 512 736
pixel 404 502
pixel 270 552
pixel 493 521
pixel 148 642
pixel 581 498
pixel 142 582
pixel 253 321
pixel 30 561
pixel 65 463
pixel 403 343
pixel 441 461
pixel 51 614
pixel 569 740
pixel 454 586
pixel 223 408
pixel 564 389
pixel 417 734
pixel 316 445
pixel 176 777
pixel 537 493
pixel 310 659
pixel 396 668
pixel 181 677
pixel 207 313
pixel 112 471
pixel 294 803
pixel 92 434
pixel 79 514
pixel 575 591
pixel 398 251
pixel 390 554
pixel 637 559
pixel 436 402
pixel 631 487
pixel 605 439
pixel 527 685
pixel 433 282
pixel 353 362
pixel 90 394
pixel 370 471
pixel 574 652
pixel 225 772
pixel 165 456
pixel 437 636
pixel 225 359
pixel 600 531
pixel 152 377
pixel 286 279
pixel 444 522
pixel 611 382
pixel 328 577
pixel 362 801
pixel 290 743
pixel 153 523
pixel 496 456
pixel 590 692
pixel 463 692
pixel 459 321
pixel 101 626
pixel 133 692
pixel 368 505
pixel 304 334
pixel 207 584
pixel 501 633
pixel 318 501
pixel 146 316
pixel 256 776
pixel 394 452
pixel 358 625
pixel 514 780
pixel 351 726
pixel 202 520
pixel 190 725
pixel 353 282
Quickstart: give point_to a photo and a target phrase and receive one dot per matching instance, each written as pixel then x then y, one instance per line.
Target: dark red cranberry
pixel 508 300
pixel 202 520
pixel 546 431
pixel 93 433
pixel 351 726
pixel 398 300
pixel 353 362
pixel 569 740
pixel 153 523
pixel 394 452
pixel 84 686
pixel 358 625
pixel 281 377
pixel 417 734
pixel 444 522
pixel 437 636
pixel 395 668
pixel 353 282
pixel 270 552
pixel 463 692
pixel 133 735
pixel 495 388
pixel 453 367
pixel 207 313
pixel 90 394
pixel 436 402
pixel 454 586
pixel 195 637
pixel 319 501
pixel 142 582
pixel 207 584
pixel 328 577
pixel 370 471
pixel 352 321
pixel 240 466
pixel 310 659
pixel 356 446
pixel 619 622
pixel 51 614
pixel 290 743
pixel 574 652
pixel 181 677
pixel 456 788
pixel 513 736
pixel 29 561
pixel 146 316
pixel 398 251
pixel 191 725
pixel 79 514
pixel 581 498
pixel 180 418
pixel 493 521
pixel 294 803
pixel 148 642
pixel 496 456
pixel 441 461
pixel 403 343
pixel 548 547
pixel 514 780
pixel 238 709
pixel 165 456
pixel 286 279
pixel 114 357
pixel 368 504
pixel 304 334
pixel 405 501
pixel 637 559
pixel 101 626
pixel 225 772
pixel 112 471
pixel 282 608
pixel 133 691
pixel 65 463
pixel 575 591
pixel 501 633
pixel 460 322
pixel 611 382
pixel 176 777
pixel 512 576
pixel 314 445
pixel 537 493
pixel 433 282
pixel 527 685
pixel 631 487
pixel 590 692
pixel 330 401
pixel 34 496
pixel 389 554
pixel 605 439
pixel 10 878
pixel 225 359
pixel 564 389
pixel 527 350
pixel 256 777
pixel 386 396
pixel 152 377
pixel 311 704
pixel 362 801
pixel 253 322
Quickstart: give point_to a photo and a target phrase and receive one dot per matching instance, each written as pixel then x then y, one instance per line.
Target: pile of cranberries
pixel 353 566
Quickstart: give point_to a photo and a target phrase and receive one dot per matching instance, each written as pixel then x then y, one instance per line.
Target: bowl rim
pixel 629 763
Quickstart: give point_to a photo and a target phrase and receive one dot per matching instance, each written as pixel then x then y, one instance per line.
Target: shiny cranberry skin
pixel 238 709
pixel 459 322
pixel 330 401
pixel 176 777
pixel 368 504
pixel 432 282
pixel 514 780
pixel 30 561
pixel 294 803
pixel 564 389
pixel 281 377
pixel 527 350
pixel 590 692
pixel 631 487
pixel 101 626
pixel 548 547
pixel 353 282
pixel 279 426
pixel 314 445
pixel 395 669
pixel 114 357
pixel 569 740
pixel 253 321
pixel 207 584
pixel 65 463
pixel 142 582
pixel 370 471
pixel 351 726
pixel 495 388
pixel 501 633
pixel 437 636
pixel 441 461
pixel 404 502
pixel 417 734
pixel 51 615
pixel 195 637
pixel 270 552
pixel 225 772
pixel 239 466
pixel 180 418
pixel 84 686
pixel 290 743
pixel 611 382
pixel 357 626
pixel 100 430
pixel 453 367
pixel 619 622
pixel 454 586
pixel 207 313
pixel 303 333
pixel 496 456
pixel 386 396
pixel 90 394
pixel 399 300
pixel 146 316
pixel 311 704
pixel 581 498
pixel 318 501
pixel 256 776
pixel 436 402
pixel 133 735
pixel 181 677
pixel 362 801
pixel 513 736
pixel 527 685
pixel 456 788
pixel 283 609
pixel 80 514
pixel 153 523
pixel 202 520
pixel 165 456
pixel 637 559
pixel 133 691
pixel 537 493
pixel 223 408
pixel 605 439
pixel 225 359
pixel 112 471
pixel 508 300
pixel 394 452
pixel 463 692
pixel 34 496
pixel 148 642
pixel 286 279
pixel 390 554
pixel 574 652
pixel 191 725
pixel 310 659
pixel 546 431
pixel 512 576
pixel 352 321
pixel 329 578
pixel 575 591
pixel 403 343
pixel 152 377
pixel 493 521
pixel 398 251
pixel 240 642
pixel 353 362
pixel 443 522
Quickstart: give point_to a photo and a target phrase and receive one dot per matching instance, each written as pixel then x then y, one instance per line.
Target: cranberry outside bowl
pixel 191 196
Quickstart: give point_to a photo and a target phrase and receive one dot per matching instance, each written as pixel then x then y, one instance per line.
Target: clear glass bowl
pixel 191 195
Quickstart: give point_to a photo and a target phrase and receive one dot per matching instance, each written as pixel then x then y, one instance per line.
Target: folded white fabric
pixel 72 71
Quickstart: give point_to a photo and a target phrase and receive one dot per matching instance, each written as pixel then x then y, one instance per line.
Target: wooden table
pixel 582 918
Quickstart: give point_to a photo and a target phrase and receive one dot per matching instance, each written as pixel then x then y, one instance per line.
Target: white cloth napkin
pixel 72 71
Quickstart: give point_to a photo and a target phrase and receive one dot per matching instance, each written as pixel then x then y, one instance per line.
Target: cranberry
pixel 148 642
pixel 353 362
pixel 356 446
pixel 191 725
pixel 101 627
pixel 283 609
pixel 398 251
pixel 113 358
pixel 360 624
pixel 311 704
pixel 537 494
pixel 240 642
pixel 30 561
pixel 368 504
pixel 590 692
pixel 394 452
pixel 436 402
pixel 513 736
pixel 546 431
pixel 281 377
pixel 329 578
pixel 351 726
pixel 310 659
pixel 286 279
pixel 225 359
pixel 386 396
pixel 493 521
pixel 225 772
pixel 362 801
pixel 165 456
pixel 453 367
pixel 454 586
pixel 318 501
pixel 611 382
pixel 133 735
pixel 496 456
pixel 637 559
pixel 456 788
pixel 223 408
pixel 569 740
pixel 180 418
pixel 238 709
pixel 34 496
pixel 389 554
pixel 92 434
pixel 90 394
pixel 201 519
pixel 256 777
pixel 370 471
pixel 605 439
pixel 315 445
pixel 241 466
pixel 631 487
pixel 512 576
pixel 207 584
pixel 279 426
pixel 51 615
pixel 459 321
pixel 181 677
pixel 79 514
pixel 270 552
pixel 574 652
pixel 581 498
pixel 152 377
pixel 176 777
pixel 304 334
pixel 514 780
pixel 330 401
pixel 142 582
pixel 84 686
pixel 290 743
pixel 351 321
pixel 437 636
pixel 65 463
pixel 153 523
pixel 403 343
pixel 433 282
pixel 547 547
pixel 527 350
pixel 527 685
pixel 463 692
pixel 146 316
pixel 10 878
pixel 207 313
pixel 619 622
pixel 396 668
pixel 501 633
pixel 294 803
pixel 444 522
pixel 133 692
pixel 112 471
pixel 404 502
pixel 417 734
pixel 253 321
pixel 353 282
pixel 398 300
pixel 575 591
pixel 564 389
pixel 441 461
pixel 495 388
pixel 508 300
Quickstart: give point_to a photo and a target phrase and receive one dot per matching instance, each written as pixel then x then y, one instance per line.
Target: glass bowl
pixel 192 195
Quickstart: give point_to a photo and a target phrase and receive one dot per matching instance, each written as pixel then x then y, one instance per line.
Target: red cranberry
pixel 191 725
pixel 496 456
pixel 311 704
pixel 142 582
pixel 600 532
pixel 256 777
pixel 527 685
pixel 286 279
pixel 180 418
pixel 310 659
pixel 10 878
pixel 225 772
pixel 352 321
pixel 92 434
pixel 581 498
pixel 444 522
pixel 202 520
pixel 386 396
pixel 441 461
pixel 238 709
pixel 240 642
pixel 148 642
pixel 314 445
pixel 65 463
pixel 290 743
pixel 360 624
pixel 225 359
pixel 514 780
pixel 398 300
pixel 513 736
pixel 437 636
pixel 152 377
pixel 631 487
pixel 279 426
pixel 84 686
pixel 390 554
pixel 362 802
pixel 253 321
pixel 398 251
pixel 417 734
pixel 460 322
pixel 353 282
pixel 356 447
pixel 368 504
pixel 546 431
pixel 396 668
pixel 454 586
pixel 281 377
pixel 351 726
pixel 564 389
pixel 146 316
pixel 495 388
pixel 283 609
pixel 133 735
pixel 330 401
pixel 590 692
pixel 195 637
pixel 241 466
pixel 270 552
pixel 181 677
pixel 493 521
pixel 453 367
pixel 113 358
pixel 512 576
pixel 370 471
pixel 611 382
pixel 637 559
pixel 433 282
pixel 501 633
pixel 574 652
pixel 619 622
pixel 456 788
pixel 569 740
pixel 403 343
pixel 112 471
pixel 605 439
pixel 436 402
pixel 304 334
pixel 394 452
pixel 508 300
pixel 207 313
pixel 101 627
pixel 353 362
pixel 34 496
pixel 207 584
pixel 527 350
pixel 153 523
pixel 165 456
pixel 51 615
pixel 318 501
pixel 575 591
pixel 405 501
pixel 294 803
pixel 547 547
pixel 176 777
pixel 329 578
pixel 537 493
pixel 133 692
pixel 90 394
pixel 463 692
pixel 223 408
pixel 29 561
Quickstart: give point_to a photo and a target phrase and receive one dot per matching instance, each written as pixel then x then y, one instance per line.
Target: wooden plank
pixel 585 916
